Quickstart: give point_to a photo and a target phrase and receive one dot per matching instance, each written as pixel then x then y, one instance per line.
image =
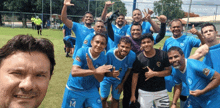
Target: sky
pixel 201 7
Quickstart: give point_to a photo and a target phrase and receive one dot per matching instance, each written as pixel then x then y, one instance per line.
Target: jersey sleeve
pixel 75 26
pixel 195 42
pixel 176 78
pixel 78 60
pixel 87 41
pixel 132 58
pixel 203 70
pixel 108 56
pixel 63 26
pixel 207 61
pixel 128 33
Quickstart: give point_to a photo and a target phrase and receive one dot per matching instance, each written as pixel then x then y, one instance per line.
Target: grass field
pixel 62 69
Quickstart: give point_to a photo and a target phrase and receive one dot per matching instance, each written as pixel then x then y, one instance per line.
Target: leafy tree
pixel 171 8
pixel 2 8
pixel 35 6
pixel 21 6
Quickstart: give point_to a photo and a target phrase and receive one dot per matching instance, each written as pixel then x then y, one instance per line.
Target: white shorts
pixel 160 98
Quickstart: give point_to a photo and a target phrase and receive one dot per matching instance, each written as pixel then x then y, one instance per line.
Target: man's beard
pixel 88 24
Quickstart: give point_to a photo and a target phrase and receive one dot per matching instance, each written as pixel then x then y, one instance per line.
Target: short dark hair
pixel 147 35
pixel 87 12
pixel 176 49
pixel 207 24
pixel 136 24
pixel 102 35
pixel 175 20
pixel 125 40
pixel 135 10
pixel 27 43
pixel 121 15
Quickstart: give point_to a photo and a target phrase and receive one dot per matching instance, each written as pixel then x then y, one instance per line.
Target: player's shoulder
pixel 111 51
pixel 132 54
pixel 83 49
pixel 193 62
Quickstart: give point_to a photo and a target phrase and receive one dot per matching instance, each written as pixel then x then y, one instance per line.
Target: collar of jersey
pixel 117 57
pixel 118 27
pixel 178 37
pixel 91 54
pixel 185 67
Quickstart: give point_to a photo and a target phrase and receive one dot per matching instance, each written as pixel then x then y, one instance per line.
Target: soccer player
pixel 147 27
pixel 150 68
pixel 122 59
pixel 81 31
pixel 119 28
pixel 38 23
pixel 186 43
pixel 81 86
pixel 211 49
pixel 26 67
pixel 202 80
pixel 136 32
pixel 32 20
pixel 69 41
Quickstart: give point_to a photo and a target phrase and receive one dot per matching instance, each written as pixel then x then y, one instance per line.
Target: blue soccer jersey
pixel 81 31
pixel 212 58
pixel 118 33
pixel 197 75
pixel 186 43
pixel 120 64
pixel 88 39
pixel 67 30
pixel 87 82
pixel 145 28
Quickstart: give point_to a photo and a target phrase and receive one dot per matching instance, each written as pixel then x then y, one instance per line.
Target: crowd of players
pixel 119 57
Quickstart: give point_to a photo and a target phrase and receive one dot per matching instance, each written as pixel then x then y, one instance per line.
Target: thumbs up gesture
pixel 193 30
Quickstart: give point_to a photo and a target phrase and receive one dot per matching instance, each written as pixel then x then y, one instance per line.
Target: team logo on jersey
pixel 158 64
pixel 85 42
pixel 72 103
pixel 206 71
pixel 182 44
pixel 189 81
pixel 98 101
pixel 78 58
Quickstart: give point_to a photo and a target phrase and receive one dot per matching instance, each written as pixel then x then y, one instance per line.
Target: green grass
pixel 62 69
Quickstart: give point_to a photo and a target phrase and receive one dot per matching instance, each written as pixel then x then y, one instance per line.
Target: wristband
pixel 173 103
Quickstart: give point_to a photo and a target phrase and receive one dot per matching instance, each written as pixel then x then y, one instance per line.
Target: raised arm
pixel 200 52
pixel 64 18
pixel 155 28
pixel 161 34
pixel 104 12
pixel 110 31
pixel 195 31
